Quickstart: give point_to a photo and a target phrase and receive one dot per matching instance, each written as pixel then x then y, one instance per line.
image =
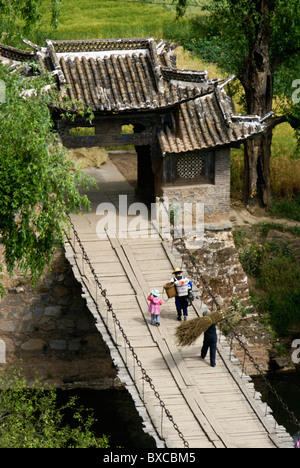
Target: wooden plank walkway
pixel 208 407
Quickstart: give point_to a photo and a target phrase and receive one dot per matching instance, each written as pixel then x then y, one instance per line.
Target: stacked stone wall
pixel 49 331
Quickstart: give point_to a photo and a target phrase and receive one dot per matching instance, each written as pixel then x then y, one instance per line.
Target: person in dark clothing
pixel 210 343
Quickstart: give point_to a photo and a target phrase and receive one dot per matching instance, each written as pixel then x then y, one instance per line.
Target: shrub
pixel 30 417
pixel 277 283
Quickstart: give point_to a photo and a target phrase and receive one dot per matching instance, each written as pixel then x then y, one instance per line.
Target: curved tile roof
pixel 14 54
pixel 120 75
pixel 205 122
pixel 133 75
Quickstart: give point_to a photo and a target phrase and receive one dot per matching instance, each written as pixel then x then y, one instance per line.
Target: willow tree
pixel 24 19
pixel 38 185
pixel 259 41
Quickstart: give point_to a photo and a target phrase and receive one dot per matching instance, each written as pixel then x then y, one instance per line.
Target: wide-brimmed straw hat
pixel 177 270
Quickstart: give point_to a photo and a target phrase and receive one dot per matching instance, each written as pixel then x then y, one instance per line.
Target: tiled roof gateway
pixel 121 75
pixel 134 75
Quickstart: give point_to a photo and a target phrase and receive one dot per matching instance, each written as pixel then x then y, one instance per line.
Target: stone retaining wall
pixel 51 332
pixel 219 264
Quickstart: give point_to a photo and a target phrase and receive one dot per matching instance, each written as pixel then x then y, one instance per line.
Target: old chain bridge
pixel 184 125
pixel 183 401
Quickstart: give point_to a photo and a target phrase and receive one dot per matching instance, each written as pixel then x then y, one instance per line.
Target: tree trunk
pixel 257 151
pixel 257 79
pixel 257 178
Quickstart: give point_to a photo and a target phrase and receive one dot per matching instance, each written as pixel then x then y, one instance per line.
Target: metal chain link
pixel 109 306
pixel 246 351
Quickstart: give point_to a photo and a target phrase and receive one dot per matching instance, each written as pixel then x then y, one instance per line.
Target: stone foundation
pixel 51 332
pixel 219 264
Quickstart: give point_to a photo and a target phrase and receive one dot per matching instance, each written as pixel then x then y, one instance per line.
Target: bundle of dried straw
pixel 189 331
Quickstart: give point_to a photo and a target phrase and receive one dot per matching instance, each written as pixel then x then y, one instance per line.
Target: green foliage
pixel 283 310
pixel 227 32
pixel 264 228
pixel 229 28
pixel 251 258
pixel 181 6
pixel 23 18
pixel 86 19
pixel 56 12
pixel 285 173
pixel 276 274
pixel 286 208
pixel 31 418
pixel 38 184
pixel 280 278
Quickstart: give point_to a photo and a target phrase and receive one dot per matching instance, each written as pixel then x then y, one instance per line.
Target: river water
pixel 118 418
pixel 287 385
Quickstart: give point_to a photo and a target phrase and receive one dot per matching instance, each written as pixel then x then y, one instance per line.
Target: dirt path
pixel 126 163
pixel 241 217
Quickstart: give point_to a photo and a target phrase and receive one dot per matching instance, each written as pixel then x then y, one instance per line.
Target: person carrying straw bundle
pixel 210 342
pixel 188 332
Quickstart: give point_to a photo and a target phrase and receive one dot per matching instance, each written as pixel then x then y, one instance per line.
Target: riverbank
pixel 269 250
pixel 287 386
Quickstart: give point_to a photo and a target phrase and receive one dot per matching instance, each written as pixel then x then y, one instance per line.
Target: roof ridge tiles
pixel 138 74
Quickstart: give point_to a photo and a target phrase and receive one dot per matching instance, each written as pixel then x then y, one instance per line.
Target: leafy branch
pixel 38 184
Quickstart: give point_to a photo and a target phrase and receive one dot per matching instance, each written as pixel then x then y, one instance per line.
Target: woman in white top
pixel 183 286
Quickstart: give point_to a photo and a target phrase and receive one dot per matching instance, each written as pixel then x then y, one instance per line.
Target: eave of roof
pixel 133 75
pixel 15 58
pixel 121 75
pixel 208 122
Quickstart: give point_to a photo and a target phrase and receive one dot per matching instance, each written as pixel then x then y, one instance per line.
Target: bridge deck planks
pixel 206 403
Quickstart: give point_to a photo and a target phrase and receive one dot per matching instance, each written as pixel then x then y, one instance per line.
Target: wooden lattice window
pixel 189 168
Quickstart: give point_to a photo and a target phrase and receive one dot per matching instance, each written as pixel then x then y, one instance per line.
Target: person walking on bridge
pixel 183 285
pixel 154 306
pixel 210 342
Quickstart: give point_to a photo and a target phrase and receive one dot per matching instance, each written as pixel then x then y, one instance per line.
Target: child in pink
pixel 154 306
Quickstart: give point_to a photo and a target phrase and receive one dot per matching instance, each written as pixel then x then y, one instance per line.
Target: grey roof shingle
pixel 134 75
pixel 205 122
pixel 117 75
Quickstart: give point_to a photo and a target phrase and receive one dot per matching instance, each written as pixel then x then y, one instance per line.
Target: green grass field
pixel 97 19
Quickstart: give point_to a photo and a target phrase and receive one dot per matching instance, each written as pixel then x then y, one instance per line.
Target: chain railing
pixel 110 310
pixel 236 336
pixel 186 251
pixel 145 377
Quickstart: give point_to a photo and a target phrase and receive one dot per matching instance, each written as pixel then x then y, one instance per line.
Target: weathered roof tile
pixel 201 124
pixel 134 75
